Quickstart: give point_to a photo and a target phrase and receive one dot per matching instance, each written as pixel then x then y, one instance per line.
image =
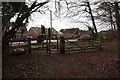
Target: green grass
pixel 41 46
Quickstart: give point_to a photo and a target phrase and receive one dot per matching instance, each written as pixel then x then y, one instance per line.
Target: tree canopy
pixel 23 12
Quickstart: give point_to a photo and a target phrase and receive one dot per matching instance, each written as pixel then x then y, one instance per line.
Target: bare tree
pixel 105 13
pixel 23 14
pixel 92 17
pixel 117 16
pixel 75 9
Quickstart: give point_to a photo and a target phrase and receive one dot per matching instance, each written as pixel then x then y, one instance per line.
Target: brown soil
pixel 93 64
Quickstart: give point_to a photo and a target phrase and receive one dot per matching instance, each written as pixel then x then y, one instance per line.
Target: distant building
pixel 36 31
pixel 71 32
pixel 54 32
pixel 84 33
pixel 22 32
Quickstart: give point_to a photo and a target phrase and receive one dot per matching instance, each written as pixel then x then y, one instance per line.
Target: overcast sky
pixel 57 22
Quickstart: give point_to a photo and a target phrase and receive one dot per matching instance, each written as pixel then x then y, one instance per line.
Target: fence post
pixel 46 44
pixel 29 45
pixel 49 47
pixel 100 44
pixel 25 48
pixel 57 45
pixel 62 45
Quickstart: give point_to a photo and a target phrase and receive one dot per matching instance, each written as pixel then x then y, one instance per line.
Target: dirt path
pixel 95 64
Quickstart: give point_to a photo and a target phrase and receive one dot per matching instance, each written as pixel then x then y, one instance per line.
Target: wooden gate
pixel 77 45
pixel 66 44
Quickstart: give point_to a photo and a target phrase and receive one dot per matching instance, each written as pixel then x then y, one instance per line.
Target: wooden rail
pixel 67 45
pixel 64 45
pixel 28 44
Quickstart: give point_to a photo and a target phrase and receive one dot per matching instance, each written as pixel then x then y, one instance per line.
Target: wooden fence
pixel 65 45
pixel 40 41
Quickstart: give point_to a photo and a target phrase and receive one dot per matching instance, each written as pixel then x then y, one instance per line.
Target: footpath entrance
pixel 61 45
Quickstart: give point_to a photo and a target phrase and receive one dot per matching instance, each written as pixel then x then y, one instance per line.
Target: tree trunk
pixel 111 20
pixel 92 17
pixel 117 16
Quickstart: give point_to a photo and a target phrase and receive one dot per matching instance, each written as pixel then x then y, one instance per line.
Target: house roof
pixel 37 30
pixel 69 31
pixel 84 32
pixel 54 31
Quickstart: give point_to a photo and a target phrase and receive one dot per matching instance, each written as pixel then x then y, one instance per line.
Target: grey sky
pixel 58 22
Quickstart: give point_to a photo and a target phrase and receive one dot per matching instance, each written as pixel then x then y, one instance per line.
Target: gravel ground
pixel 93 64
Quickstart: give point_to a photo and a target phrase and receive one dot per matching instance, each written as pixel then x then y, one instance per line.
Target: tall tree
pixel 117 16
pixel 22 14
pixel 105 13
pixel 76 10
pixel 9 9
pixel 92 17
